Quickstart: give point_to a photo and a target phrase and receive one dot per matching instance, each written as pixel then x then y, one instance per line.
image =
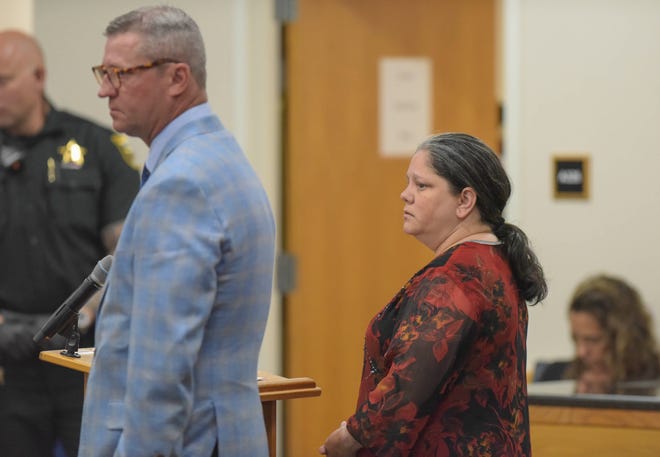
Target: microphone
pixel 67 313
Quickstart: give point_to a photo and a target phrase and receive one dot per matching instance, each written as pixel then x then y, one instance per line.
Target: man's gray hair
pixel 167 33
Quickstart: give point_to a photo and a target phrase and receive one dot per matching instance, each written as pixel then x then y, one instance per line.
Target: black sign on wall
pixel 571 176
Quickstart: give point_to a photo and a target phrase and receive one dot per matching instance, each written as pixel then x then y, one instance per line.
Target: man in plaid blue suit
pixel 187 297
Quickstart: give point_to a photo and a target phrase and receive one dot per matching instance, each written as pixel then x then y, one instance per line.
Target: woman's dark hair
pixel 465 161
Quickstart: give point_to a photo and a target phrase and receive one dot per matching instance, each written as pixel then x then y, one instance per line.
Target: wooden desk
pixel 271 388
pixel 571 425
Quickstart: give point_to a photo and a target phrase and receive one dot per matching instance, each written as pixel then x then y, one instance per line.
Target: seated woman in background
pixel 613 336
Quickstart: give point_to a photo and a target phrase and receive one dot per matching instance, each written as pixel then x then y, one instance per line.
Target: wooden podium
pixel 271 387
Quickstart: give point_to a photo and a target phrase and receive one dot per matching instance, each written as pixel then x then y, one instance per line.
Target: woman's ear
pixel 467 200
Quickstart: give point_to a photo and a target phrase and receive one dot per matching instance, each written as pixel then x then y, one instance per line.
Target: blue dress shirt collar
pixel 156 150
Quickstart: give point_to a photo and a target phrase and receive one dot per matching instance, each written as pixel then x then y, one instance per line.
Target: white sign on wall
pixel 404 111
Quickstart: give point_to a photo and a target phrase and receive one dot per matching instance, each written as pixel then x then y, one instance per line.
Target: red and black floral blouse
pixel 444 363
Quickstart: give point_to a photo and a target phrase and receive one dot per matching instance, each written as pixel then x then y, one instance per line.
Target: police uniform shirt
pixel 58 190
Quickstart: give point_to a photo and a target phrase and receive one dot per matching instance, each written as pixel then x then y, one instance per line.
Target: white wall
pixel 242 41
pixel 16 14
pixel 582 76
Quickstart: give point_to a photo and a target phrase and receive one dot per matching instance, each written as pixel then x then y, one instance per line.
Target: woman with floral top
pixel 445 360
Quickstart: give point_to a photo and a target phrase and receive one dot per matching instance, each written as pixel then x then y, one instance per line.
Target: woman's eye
pixel 421 185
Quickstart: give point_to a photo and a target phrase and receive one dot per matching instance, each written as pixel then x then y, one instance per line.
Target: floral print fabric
pixel 444 363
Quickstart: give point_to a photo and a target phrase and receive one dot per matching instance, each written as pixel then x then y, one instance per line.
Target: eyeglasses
pixel 114 73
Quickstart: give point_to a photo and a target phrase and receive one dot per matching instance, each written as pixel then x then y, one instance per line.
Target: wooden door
pixel 342 211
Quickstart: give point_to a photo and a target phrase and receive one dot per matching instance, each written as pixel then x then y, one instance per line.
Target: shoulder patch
pixel 121 142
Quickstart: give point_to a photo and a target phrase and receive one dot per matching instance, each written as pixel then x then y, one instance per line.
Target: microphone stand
pixel 72 341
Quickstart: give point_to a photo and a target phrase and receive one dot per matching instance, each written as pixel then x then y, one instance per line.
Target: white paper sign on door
pixel 404 111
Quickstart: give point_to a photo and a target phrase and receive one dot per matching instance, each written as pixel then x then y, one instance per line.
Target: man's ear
pixel 40 77
pixel 180 78
pixel 40 73
pixel 467 200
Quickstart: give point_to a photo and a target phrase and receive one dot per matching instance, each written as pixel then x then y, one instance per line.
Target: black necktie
pixel 145 174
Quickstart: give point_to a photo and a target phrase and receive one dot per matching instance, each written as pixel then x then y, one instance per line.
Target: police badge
pixel 73 155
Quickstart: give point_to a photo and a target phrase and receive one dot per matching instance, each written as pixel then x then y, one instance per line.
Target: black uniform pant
pixel 39 404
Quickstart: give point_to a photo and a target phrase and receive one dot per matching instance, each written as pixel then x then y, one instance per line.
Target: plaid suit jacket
pixel 185 309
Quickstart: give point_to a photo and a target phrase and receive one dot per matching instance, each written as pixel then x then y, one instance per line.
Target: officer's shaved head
pixel 22 83
pixel 15 44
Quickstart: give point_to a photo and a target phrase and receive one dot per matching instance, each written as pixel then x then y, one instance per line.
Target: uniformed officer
pixel 66 185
